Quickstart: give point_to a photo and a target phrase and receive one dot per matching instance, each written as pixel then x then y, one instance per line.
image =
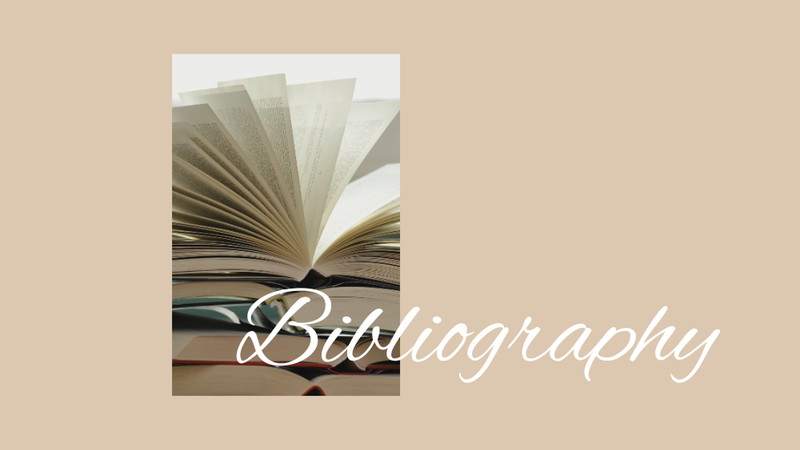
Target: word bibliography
pixel 460 333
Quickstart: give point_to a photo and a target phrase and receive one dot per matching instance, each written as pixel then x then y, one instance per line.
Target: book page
pixel 188 177
pixel 271 101
pixel 183 202
pixel 203 119
pixel 362 198
pixel 236 111
pixel 185 148
pixel 200 153
pixel 365 124
pixel 319 115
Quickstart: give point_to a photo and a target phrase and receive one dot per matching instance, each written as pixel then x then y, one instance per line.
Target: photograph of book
pixel 265 197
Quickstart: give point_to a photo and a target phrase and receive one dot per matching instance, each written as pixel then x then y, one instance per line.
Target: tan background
pixel 576 163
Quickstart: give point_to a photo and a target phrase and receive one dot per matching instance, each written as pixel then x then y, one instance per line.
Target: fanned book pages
pixel 264 198
pixel 261 184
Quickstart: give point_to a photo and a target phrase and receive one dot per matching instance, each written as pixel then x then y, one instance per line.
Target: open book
pixel 261 189
pixel 254 380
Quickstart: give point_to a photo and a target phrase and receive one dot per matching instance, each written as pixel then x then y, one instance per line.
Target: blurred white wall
pixel 377 76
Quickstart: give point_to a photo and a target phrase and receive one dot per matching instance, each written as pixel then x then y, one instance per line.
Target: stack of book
pixel 262 200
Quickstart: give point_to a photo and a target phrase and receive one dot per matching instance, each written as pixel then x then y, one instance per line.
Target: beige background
pixel 580 163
